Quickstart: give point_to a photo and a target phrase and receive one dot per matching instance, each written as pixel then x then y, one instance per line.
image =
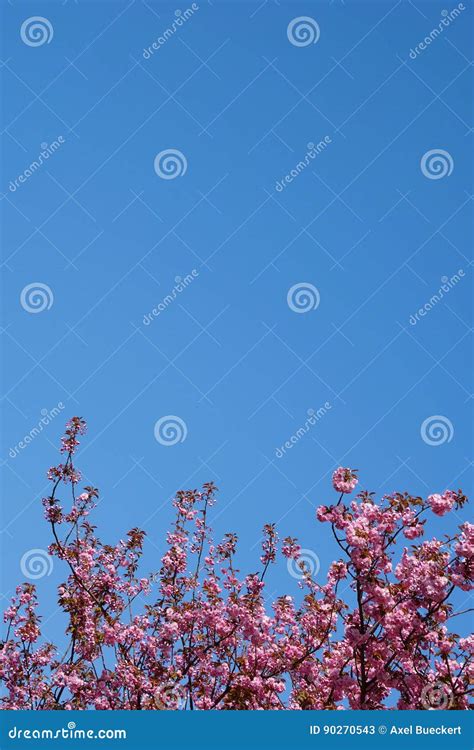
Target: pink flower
pixel 344 480
pixel 442 504
pixel 321 513
pixel 412 532
pixel 209 638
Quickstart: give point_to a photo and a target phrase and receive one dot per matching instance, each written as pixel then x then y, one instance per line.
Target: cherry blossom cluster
pixel 197 634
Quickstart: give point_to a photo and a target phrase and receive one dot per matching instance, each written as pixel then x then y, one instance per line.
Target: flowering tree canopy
pixel 198 635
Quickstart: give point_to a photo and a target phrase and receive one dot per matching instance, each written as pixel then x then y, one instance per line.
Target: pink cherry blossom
pixel 344 480
pixel 442 504
pixel 198 634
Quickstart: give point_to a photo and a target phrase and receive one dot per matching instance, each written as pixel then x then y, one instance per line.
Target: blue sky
pixel 362 223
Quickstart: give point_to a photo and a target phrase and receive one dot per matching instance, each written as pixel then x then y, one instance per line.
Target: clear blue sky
pixel 362 223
